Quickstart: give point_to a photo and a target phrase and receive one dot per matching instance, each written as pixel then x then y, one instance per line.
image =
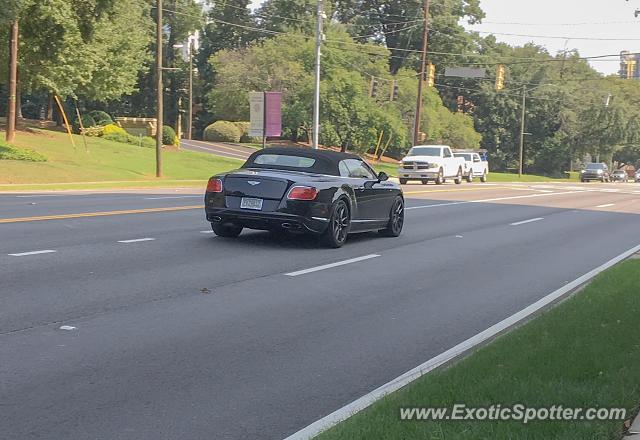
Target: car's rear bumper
pixel 267 220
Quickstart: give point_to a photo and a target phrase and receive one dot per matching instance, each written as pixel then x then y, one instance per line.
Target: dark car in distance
pixel 326 193
pixel 595 171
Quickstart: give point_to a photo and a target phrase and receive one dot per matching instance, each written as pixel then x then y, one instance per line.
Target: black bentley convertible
pixel 298 190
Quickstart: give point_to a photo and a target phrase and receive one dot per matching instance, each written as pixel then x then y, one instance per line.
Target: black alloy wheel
pixel 339 224
pixel 396 219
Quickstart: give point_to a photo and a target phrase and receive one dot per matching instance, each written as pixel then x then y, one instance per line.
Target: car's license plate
pixel 250 203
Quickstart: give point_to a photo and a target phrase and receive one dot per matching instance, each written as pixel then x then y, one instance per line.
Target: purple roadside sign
pixel 273 114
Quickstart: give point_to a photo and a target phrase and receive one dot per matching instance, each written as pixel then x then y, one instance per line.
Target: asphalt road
pixel 223 149
pixel 180 334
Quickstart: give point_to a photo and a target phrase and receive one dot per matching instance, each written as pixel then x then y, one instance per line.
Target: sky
pixel 570 20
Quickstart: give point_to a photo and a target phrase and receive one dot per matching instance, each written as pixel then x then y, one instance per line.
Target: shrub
pixel 126 138
pixel 222 131
pixel 87 121
pixel 113 129
pixel 117 137
pixel 101 118
pixel 96 131
pixel 148 142
pixel 168 135
pixel 7 152
pixel 244 129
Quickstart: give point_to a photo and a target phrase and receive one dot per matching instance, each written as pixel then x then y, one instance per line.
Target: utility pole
pixel 316 102
pixel 522 118
pixel 423 69
pixel 13 83
pixel 160 90
pixel 190 114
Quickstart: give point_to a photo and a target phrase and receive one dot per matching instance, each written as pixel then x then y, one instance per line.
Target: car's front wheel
pixel 484 177
pixel 396 219
pixel 403 181
pixel 339 224
pixel 458 178
pixel 470 176
pixel 226 229
pixel 440 178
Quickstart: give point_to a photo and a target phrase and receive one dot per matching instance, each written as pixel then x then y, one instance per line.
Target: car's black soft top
pixel 326 161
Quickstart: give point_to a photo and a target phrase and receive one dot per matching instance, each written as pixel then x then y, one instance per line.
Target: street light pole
pixel 316 102
pixel 190 114
pixel 522 118
pixel 13 83
pixel 423 69
pixel 159 91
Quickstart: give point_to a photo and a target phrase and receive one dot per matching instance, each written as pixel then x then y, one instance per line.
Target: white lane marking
pixel 206 232
pixel 173 197
pixel 524 222
pixel 605 206
pixel 25 254
pixel 137 240
pixel 67 327
pixel 331 265
pixel 498 199
pixel 42 195
pixel 367 400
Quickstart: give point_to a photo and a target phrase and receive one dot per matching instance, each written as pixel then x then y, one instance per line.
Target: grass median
pixel 105 164
pixel 583 353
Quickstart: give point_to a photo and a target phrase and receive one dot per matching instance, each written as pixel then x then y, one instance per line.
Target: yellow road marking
pixel 457 190
pixel 97 214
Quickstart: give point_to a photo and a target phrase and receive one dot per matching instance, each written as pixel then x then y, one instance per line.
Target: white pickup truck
pixel 431 162
pixel 474 166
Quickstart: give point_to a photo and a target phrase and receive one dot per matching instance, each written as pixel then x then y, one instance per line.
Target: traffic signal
pixel 631 69
pixel 395 90
pixel 500 72
pixel 431 75
pixel 373 90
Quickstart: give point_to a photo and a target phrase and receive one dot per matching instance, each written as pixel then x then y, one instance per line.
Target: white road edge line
pixel 331 265
pixel 25 254
pixel 367 400
pixel 498 199
pixel 137 240
pixel 524 222
pixel 605 206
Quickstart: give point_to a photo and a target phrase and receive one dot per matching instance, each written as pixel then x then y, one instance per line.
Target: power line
pixel 558 37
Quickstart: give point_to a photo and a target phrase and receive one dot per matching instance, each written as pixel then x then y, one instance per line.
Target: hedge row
pixel 227 131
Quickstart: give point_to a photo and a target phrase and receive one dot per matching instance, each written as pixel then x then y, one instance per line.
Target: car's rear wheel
pixel 339 224
pixel 440 178
pixel 425 181
pixel 470 176
pixel 396 219
pixel 403 181
pixel 458 178
pixel 226 229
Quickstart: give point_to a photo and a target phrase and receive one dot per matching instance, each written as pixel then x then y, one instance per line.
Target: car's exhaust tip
pixel 290 226
pixel 216 218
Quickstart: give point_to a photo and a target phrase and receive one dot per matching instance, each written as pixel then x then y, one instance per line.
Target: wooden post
pixel 13 83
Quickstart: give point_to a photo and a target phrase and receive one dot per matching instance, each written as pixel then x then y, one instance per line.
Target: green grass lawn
pixel 582 353
pixel 107 163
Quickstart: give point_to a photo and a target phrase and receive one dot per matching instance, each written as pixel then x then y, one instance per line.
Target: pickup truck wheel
pixel 484 178
pixel 470 176
pixel 458 178
pixel 403 181
pixel 425 181
pixel 440 178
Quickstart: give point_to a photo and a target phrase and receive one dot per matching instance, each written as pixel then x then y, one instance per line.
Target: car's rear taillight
pixel 302 193
pixel 214 185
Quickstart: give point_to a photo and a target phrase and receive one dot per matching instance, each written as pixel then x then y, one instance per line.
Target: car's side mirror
pixel 382 176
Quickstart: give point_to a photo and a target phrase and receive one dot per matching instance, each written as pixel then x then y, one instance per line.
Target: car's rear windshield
pixel 425 151
pixel 595 166
pixel 284 160
pixel 620 172
pixel 466 157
